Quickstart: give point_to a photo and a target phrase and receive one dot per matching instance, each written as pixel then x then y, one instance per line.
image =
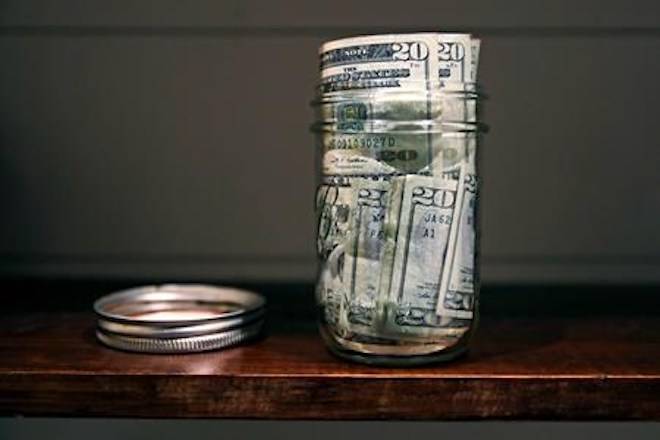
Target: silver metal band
pixel 207 327
pixel 178 318
pixel 191 344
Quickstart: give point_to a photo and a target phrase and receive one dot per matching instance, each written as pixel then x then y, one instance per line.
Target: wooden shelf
pixel 558 366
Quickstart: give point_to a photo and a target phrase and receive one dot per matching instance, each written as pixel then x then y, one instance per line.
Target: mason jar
pixel 397 211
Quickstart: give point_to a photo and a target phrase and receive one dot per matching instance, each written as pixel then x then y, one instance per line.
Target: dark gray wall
pixel 170 139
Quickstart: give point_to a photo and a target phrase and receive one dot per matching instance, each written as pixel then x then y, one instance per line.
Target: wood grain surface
pixel 556 366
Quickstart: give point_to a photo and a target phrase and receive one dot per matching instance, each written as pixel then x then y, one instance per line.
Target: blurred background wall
pixel 169 139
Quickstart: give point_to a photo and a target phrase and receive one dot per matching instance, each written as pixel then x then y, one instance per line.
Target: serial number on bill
pixel 359 142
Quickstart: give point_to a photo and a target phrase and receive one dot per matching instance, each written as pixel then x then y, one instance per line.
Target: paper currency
pixel 379 154
pixel 365 249
pixel 333 201
pixel 373 109
pixel 459 59
pixel 419 61
pixel 397 206
pixel 392 61
pixel 369 65
pixel 457 288
pixel 455 58
pixel 425 218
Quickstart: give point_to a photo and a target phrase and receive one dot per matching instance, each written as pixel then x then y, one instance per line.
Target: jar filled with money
pixel 397 131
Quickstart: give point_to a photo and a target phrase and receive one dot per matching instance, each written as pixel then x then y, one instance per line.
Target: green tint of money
pixel 397 130
pixel 424 220
pixel 365 250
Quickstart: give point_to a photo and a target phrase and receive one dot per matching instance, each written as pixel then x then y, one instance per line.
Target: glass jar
pixel 397 211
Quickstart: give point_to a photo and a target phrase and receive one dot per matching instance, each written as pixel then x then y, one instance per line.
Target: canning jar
pixel 397 211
